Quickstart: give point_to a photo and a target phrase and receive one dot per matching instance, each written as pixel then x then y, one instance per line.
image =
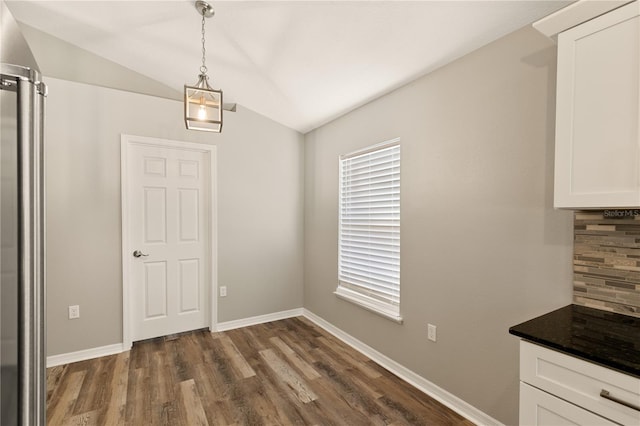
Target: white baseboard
pixel 260 319
pixel 453 402
pixel 83 355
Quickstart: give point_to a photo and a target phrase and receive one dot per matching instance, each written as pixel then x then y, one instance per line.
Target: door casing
pixel 210 152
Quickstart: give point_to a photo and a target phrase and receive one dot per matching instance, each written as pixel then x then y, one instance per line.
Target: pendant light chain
pixel 203 68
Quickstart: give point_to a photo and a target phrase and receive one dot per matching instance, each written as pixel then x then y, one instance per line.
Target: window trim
pixel 368 303
pixel 386 310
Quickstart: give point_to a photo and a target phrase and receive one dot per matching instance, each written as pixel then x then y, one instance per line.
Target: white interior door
pixel 169 249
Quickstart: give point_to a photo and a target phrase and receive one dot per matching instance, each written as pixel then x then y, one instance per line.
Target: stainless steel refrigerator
pixel 22 297
pixel 22 355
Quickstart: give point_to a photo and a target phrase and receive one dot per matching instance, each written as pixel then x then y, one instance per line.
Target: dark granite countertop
pixel 609 339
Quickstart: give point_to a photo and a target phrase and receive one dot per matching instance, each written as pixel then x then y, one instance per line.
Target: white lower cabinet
pixel 538 408
pixel 558 389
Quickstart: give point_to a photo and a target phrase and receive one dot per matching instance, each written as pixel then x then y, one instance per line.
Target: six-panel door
pixel 169 224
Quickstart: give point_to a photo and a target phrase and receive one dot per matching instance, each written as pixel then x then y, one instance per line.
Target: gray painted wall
pixel 260 208
pixel 63 60
pixel 482 248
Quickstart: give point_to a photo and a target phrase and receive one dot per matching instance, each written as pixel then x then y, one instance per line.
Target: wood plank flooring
pixel 287 372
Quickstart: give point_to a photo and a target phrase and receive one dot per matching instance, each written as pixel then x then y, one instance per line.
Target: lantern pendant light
pixel 202 103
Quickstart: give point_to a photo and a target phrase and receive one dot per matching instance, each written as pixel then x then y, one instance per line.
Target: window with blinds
pixel 369 230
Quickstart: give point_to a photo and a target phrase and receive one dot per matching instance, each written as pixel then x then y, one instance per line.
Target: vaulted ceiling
pixel 301 63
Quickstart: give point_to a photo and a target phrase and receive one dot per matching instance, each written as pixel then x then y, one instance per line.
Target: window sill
pixel 368 303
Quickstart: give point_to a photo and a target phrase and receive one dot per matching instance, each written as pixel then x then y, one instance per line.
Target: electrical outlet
pixel 223 291
pixel 74 311
pixel 431 332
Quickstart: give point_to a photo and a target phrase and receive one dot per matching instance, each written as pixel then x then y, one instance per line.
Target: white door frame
pixel 210 152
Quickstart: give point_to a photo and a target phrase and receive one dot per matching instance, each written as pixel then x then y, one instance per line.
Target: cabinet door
pixel 542 409
pixel 580 382
pixel 597 152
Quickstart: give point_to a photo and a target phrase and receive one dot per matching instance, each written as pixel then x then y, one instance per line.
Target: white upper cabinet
pixel 597 162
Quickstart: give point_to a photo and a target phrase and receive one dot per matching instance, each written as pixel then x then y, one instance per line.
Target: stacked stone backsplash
pixel 606 260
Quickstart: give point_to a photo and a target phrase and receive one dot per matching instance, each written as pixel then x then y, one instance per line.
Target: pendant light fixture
pixel 202 103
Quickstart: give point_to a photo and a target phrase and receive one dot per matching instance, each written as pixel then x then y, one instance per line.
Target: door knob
pixel 138 253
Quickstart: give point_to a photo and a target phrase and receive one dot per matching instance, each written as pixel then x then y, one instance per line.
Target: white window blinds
pixel 369 240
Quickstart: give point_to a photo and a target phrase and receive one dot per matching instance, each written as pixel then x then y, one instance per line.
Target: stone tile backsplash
pixel 606 261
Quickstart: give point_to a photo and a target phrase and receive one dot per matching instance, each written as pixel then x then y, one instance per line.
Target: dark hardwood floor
pixel 287 372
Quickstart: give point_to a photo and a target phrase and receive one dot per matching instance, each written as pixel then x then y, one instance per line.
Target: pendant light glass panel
pixel 203 107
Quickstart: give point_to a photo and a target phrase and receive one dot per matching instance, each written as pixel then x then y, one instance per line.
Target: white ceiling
pixel 301 63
